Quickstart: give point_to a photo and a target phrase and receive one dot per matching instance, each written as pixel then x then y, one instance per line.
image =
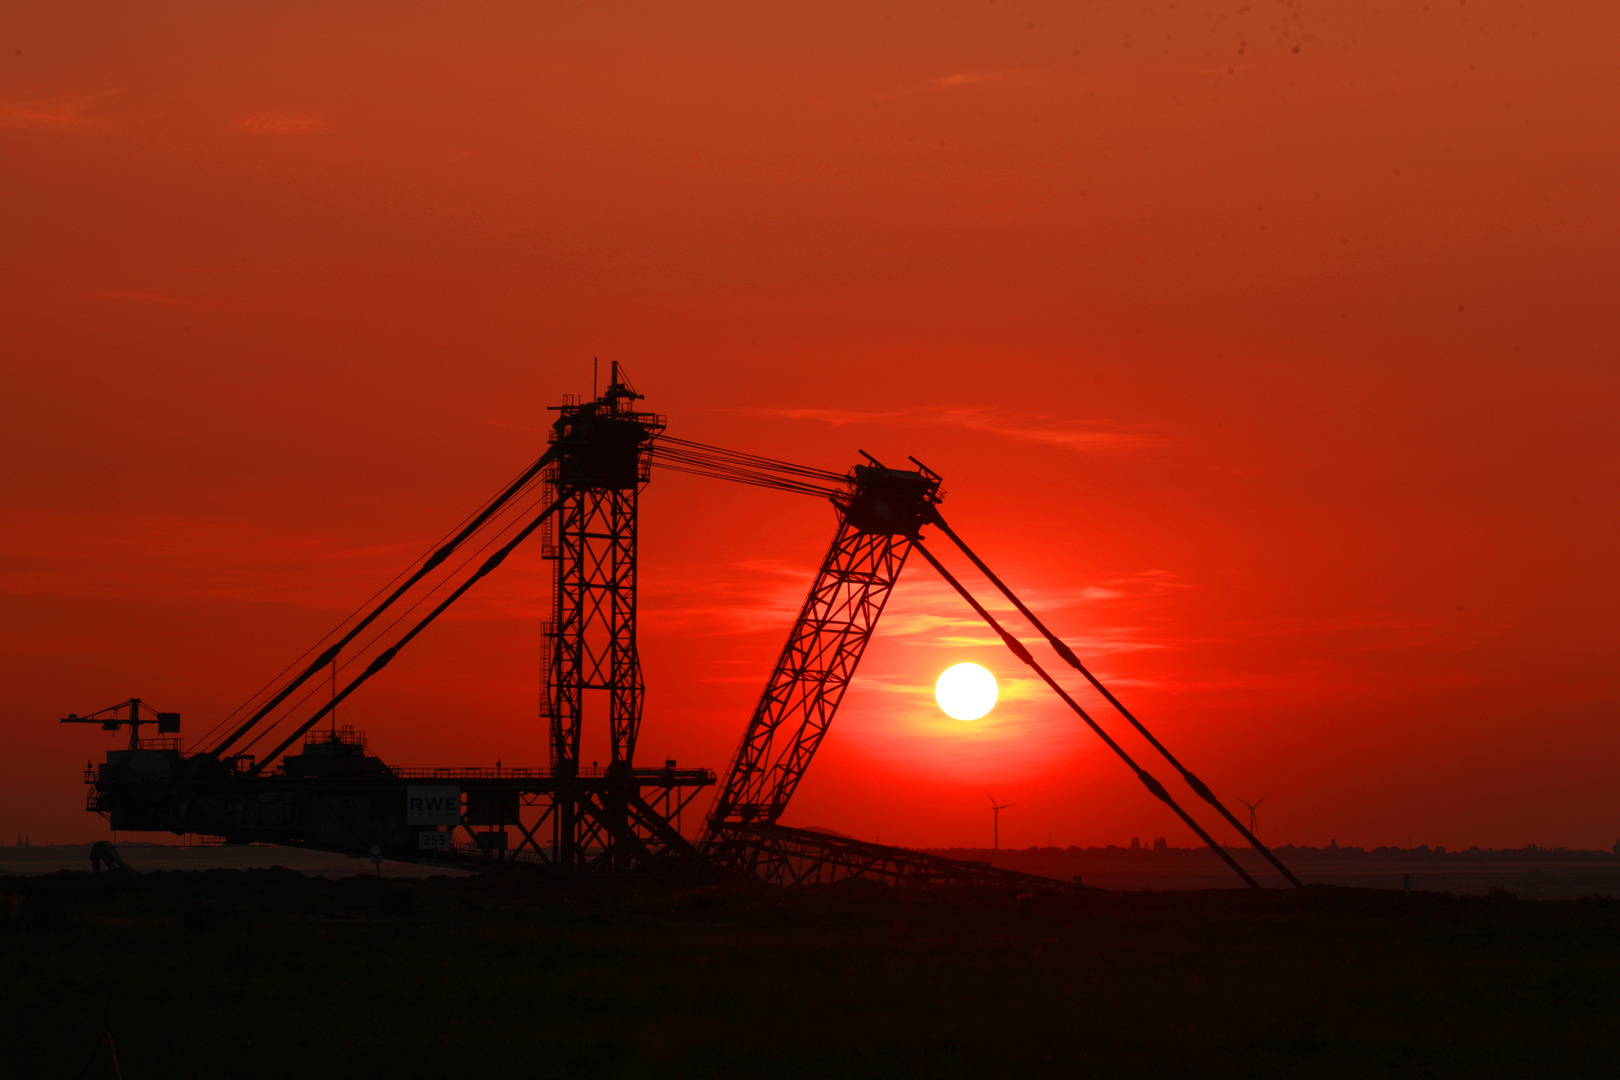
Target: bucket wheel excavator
pixel 248 782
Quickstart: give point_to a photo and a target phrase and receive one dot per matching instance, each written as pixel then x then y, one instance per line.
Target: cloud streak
pixel 70 112
pixel 1080 435
pixel 281 123
pixel 967 80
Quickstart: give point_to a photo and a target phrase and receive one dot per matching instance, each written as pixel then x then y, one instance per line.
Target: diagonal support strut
pixel 1017 648
pixel 1201 789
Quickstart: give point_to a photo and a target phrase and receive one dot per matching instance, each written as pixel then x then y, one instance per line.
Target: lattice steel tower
pixel 879 515
pixel 603 459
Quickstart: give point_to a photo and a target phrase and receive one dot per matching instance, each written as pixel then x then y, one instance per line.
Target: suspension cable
pixel 755 460
pixel 433 561
pixel 1199 787
pixel 267 729
pixel 701 459
pixel 1017 648
pixel 677 455
pixel 345 620
pixel 387 655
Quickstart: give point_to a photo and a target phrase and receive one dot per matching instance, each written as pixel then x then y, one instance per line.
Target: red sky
pixel 1270 347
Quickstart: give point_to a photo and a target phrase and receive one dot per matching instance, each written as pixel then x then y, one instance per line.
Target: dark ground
pixel 147 857
pixel 1532 873
pixel 267 973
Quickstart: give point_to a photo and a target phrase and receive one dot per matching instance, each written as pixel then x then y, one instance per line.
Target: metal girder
pixel 592 637
pixel 620 820
pixel 815 668
pixel 785 856
pixel 878 518
pixel 602 459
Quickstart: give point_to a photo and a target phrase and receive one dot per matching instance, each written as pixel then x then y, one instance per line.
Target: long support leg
pixel 1018 650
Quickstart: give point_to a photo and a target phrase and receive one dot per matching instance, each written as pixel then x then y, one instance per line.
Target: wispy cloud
pixel 1075 435
pixel 964 80
pixel 928 616
pixel 69 112
pixel 974 78
pixel 281 123
pixel 143 556
pixel 835 417
pixel 1026 427
pixel 139 297
pixel 736 598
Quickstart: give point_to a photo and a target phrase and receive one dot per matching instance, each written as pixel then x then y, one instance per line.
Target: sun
pixel 965 691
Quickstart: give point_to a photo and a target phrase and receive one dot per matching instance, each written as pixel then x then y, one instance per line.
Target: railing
pixel 480 773
pixel 161 742
pixel 593 772
pixel 523 855
pixel 346 735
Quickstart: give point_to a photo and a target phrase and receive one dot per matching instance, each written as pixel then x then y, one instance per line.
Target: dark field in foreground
pixel 267 973
pixel 1531 873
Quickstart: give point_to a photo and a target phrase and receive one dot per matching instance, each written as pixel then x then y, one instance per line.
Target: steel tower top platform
pixel 605 444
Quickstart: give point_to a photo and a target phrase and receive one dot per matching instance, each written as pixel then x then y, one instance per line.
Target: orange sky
pixel 1269 347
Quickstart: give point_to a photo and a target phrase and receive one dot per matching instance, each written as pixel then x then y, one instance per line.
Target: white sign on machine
pixel 432 804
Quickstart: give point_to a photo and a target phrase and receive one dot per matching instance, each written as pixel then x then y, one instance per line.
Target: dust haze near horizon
pixel 1269 349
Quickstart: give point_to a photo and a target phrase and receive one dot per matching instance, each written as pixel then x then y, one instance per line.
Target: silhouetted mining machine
pixel 280 770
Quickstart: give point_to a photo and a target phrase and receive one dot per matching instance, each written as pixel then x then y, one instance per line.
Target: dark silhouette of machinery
pixel 139 712
pixel 104 856
pixel 581 495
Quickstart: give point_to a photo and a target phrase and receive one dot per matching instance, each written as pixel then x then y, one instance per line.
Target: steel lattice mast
pixel 602 460
pixel 878 517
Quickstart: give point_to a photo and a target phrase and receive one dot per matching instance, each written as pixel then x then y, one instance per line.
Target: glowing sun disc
pixel 965 691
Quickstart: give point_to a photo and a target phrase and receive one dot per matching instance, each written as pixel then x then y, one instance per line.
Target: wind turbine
pixel 996 809
pixel 1254 807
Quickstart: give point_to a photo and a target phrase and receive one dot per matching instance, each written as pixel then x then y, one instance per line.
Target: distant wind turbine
pixel 996 809
pixel 1254 815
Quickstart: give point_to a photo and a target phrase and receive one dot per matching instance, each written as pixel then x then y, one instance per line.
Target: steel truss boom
pixel 822 652
pixel 1017 648
pixel 786 856
pixel 1201 789
pixel 878 517
pixel 881 515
